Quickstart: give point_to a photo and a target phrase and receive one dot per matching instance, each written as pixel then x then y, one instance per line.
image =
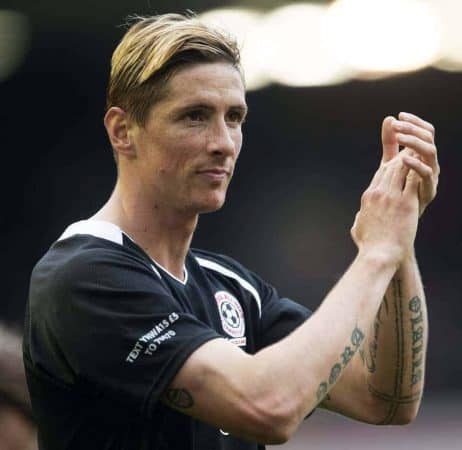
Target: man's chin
pixel 211 205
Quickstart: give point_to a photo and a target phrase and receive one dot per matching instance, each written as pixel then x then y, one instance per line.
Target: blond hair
pixel 152 50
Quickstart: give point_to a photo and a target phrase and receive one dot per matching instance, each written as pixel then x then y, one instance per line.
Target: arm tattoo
pixel 396 398
pixel 369 359
pixel 417 339
pixel 399 369
pixel 357 337
pixel 390 399
pixel 179 398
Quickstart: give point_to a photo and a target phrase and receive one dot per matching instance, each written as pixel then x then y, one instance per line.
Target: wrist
pixel 380 259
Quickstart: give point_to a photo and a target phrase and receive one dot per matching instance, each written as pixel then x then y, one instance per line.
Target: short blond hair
pixel 152 50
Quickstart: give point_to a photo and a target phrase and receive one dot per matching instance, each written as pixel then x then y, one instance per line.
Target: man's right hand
pixel 386 223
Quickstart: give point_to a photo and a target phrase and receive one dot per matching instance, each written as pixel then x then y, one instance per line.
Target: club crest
pixel 231 313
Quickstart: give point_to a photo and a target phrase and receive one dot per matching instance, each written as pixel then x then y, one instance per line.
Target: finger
pixel 424 149
pixel 377 177
pixel 389 142
pixel 409 128
pixel 422 169
pixel 388 172
pixel 416 120
pixel 412 184
pixel 398 178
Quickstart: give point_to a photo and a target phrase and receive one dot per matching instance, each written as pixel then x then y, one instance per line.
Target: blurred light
pixel 243 24
pixel 449 15
pixel 307 44
pixel 295 52
pixel 14 36
pixel 383 36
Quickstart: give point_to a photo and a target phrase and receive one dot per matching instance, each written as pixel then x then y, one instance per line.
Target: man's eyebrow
pixel 201 105
pixel 243 108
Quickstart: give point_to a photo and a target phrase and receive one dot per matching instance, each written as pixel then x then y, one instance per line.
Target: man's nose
pixel 220 141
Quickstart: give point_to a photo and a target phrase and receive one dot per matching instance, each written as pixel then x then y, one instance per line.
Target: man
pixel 135 341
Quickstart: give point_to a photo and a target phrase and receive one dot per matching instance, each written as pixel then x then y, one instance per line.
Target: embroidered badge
pixel 231 313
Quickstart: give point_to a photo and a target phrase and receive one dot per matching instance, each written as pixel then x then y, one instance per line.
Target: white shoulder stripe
pixel 212 265
pixel 156 271
pixel 97 228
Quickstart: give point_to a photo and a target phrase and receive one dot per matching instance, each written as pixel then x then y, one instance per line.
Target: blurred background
pixel 321 77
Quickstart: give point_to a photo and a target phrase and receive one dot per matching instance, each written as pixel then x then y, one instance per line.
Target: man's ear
pixel 117 125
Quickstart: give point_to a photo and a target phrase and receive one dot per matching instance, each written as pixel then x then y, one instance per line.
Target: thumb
pixel 389 142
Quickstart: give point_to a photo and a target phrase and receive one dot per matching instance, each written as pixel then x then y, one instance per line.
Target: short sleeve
pixel 279 316
pixel 121 332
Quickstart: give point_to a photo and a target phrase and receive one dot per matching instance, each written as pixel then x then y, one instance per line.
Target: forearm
pixel 314 356
pixel 265 396
pixel 395 348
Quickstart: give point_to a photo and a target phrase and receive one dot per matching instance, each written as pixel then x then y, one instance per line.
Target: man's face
pixel 188 147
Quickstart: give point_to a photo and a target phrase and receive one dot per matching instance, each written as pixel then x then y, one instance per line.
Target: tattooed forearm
pixel 369 356
pixel 398 400
pixel 357 337
pixel 180 398
pixel 417 339
pixel 399 369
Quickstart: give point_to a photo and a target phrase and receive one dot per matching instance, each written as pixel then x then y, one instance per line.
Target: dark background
pixel 308 154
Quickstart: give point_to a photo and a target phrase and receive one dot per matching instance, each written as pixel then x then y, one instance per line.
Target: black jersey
pixel 107 329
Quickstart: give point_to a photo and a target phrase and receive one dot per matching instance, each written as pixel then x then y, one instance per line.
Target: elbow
pixel 401 414
pixel 405 414
pixel 278 431
pixel 273 423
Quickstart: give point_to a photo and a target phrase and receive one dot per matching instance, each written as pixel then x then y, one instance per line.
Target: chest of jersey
pixel 219 301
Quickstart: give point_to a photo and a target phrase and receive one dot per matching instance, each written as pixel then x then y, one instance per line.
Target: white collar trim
pixel 97 228
pixel 111 232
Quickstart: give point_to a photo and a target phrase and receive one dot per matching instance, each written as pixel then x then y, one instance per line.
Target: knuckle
pixel 406 207
pixel 437 170
pixel 432 149
pixel 365 196
pixel 375 194
pixel 429 135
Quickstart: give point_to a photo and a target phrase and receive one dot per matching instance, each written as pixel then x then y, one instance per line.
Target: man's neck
pixel 165 235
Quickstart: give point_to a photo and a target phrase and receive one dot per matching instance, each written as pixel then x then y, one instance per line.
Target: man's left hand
pixel 420 154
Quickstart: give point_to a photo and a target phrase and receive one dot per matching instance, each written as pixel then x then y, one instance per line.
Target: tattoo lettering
pixel 334 373
pixel 399 369
pixel 415 306
pixel 395 398
pixel 347 355
pixel 180 398
pixel 357 337
pixel 322 391
pixel 370 359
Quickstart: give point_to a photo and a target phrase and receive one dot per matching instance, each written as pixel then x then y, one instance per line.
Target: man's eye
pixel 195 116
pixel 235 117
